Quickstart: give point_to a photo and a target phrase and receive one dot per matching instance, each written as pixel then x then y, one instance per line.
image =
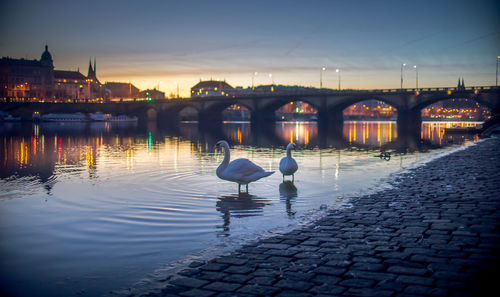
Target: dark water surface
pixel 89 208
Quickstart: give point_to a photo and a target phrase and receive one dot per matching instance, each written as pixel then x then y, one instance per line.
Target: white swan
pixel 241 171
pixel 288 166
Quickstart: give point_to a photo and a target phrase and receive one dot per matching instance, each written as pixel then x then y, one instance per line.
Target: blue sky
pixel 168 42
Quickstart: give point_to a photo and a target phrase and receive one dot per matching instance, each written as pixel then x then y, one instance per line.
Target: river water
pixel 90 208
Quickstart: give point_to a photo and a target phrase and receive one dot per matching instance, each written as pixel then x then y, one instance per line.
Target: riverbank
pixel 436 233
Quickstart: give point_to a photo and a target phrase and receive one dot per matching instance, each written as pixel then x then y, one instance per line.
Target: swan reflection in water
pixel 238 206
pixel 288 193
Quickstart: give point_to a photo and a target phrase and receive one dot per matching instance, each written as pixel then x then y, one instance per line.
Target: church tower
pixel 91 73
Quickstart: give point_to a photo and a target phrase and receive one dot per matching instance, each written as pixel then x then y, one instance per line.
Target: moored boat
pixel 5 116
pixel 99 117
pixel 10 118
pixel 64 117
pixel 123 118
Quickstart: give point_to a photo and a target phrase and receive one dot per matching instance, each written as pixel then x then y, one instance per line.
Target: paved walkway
pixel 435 234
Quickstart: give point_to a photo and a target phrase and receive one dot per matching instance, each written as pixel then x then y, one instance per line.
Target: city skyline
pixel 169 44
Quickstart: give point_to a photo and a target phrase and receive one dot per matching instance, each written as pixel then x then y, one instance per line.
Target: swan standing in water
pixel 288 166
pixel 241 171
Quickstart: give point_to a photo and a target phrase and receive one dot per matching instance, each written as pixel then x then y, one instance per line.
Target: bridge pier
pixel 331 122
pixel 409 122
pixel 260 117
pixel 209 118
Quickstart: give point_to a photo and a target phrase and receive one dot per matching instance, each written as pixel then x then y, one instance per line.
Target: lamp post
pixel 321 77
pixel 338 72
pixel 271 77
pixel 402 65
pixel 496 81
pixel 177 86
pixel 253 78
pixel 416 76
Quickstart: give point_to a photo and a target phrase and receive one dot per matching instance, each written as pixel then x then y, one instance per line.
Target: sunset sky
pixel 165 42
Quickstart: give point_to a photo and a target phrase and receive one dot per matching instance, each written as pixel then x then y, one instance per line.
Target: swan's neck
pixel 289 152
pixel 226 155
pixel 224 162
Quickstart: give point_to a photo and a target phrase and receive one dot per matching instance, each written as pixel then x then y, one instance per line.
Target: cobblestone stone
pixel 222 287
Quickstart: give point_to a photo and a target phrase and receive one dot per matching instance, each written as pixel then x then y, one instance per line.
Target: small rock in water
pixel 322 207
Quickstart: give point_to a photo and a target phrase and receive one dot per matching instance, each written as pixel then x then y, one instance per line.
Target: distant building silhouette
pixel 121 90
pixel 154 94
pixel 211 88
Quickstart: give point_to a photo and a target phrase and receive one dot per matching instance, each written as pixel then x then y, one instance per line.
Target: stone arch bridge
pixel 330 104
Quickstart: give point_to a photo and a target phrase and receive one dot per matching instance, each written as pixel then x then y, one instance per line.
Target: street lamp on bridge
pixel 416 76
pixel 496 81
pixel 271 77
pixel 177 86
pixel 321 77
pixel 253 77
pixel 338 72
pixel 402 65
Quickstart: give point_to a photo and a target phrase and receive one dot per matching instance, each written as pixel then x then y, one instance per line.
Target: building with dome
pixel 21 78
pixel 37 80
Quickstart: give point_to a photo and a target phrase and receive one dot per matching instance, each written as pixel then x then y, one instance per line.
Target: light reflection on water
pixel 96 207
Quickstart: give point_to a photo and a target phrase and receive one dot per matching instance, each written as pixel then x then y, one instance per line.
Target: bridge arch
pixel 461 107
pixel 273 104
pixel 178 112
pixel 236 112
pixel 346 102
pixel 375 109
pixel 435 99
pixel 218 108
pixel 213 113
pixel 151 114
pixel 297 110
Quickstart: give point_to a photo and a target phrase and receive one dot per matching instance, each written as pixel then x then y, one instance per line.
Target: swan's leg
pixel 283 177
pixel 293 178
pixel 247 188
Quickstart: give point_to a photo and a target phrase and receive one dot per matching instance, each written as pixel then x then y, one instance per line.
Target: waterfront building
pixel 21 78
pixel 74 86
pixel 37 80
pixel 210 88
pixel 153 94
pixel 122 90
pixel 70 85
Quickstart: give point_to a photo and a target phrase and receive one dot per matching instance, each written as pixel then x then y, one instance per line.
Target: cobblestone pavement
pixel 435 234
